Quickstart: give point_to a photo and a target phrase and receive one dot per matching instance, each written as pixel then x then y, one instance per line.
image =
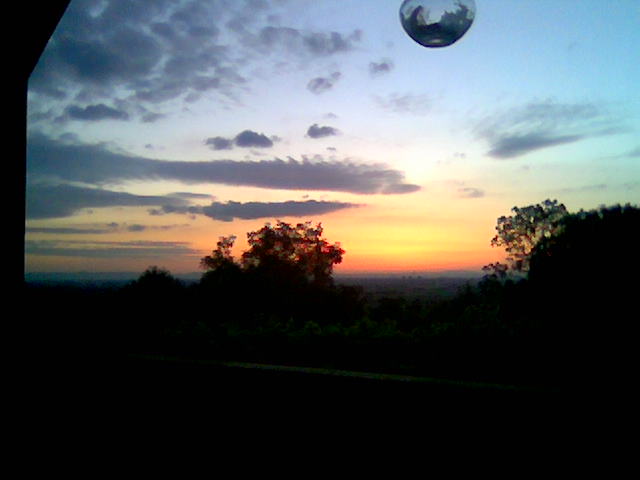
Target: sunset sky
pixel 155 127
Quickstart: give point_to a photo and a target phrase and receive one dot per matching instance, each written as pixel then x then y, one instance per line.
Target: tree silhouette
pixel 284 275
pixel 156 280
pixel 588 249
pixel 220 257
pixel 300 248
pixel 584 285
pixel 521 232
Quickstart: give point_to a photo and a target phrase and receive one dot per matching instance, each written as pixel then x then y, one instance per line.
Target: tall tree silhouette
pixel 520 233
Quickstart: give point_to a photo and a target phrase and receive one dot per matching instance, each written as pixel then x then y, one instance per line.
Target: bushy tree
pixel 521 232
pixel 296 250
pixel 285 274
pixel 300 246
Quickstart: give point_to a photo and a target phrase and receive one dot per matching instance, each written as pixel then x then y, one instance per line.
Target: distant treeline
pixel 559 313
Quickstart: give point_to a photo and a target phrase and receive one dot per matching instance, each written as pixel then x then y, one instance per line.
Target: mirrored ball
pixel 437 23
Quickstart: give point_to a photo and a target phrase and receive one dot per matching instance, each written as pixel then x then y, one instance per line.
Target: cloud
pixel 315 131
pixel 227 212
pixel 219 143
pixel 245 139
pixel 70 230
pixel 135 51
pixel 635 153
pixel 583 189
pixel 95 113
pixel 327 44
pixel 96 249
pixel 53 201
pixel 191 196
pixel 538 125
pixel 320 85
pixel 470 192
pixel 517 145
pixel 151 117
pixel 51 160
pixel 100 229
pixel 302 43
pixel 249 138
pixel 155 52
pixel 407 103
pixel 384 66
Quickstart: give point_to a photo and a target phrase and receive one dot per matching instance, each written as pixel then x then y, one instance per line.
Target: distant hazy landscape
pixel 427 285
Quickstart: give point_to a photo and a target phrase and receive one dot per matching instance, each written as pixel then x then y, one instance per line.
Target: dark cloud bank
pixel 48 159
pixel 52 201
pixel 55 201
pixel 65 178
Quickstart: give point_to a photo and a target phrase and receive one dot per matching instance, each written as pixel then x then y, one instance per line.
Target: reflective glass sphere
pixel 437 23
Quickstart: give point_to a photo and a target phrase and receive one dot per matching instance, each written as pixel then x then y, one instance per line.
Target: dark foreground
pixel 145 381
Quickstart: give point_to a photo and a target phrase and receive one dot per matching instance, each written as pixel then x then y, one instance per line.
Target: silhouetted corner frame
pixel 32 24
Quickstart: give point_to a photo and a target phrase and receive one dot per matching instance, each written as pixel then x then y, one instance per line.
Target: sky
pixel 156 127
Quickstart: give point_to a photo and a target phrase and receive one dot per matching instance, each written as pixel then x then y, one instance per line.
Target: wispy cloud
pixel 300 42
pixel 517 145
pixel 470 192
pixel 101 229
pixel 53 201
pixel 406 103
pixel 581 189
pixel 95 113
pixel 320 85
pixel 380 68
pixel 227 212
pixel 70 230
pixel 95 249
pixel 541 125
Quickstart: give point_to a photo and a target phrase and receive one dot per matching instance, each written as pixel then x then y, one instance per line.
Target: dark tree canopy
pixel 596 249
pixel 220 257
pixel 520 233
pixel 285 276
pixel 298 249
pixel 156 279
